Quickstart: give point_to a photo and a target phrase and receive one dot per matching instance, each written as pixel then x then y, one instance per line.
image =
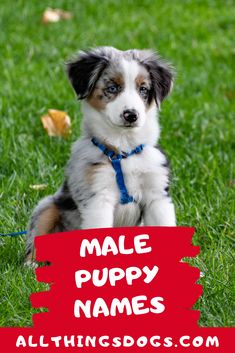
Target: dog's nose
pixel 130 115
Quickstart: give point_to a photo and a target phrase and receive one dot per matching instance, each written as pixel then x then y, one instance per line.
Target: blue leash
pixel 116 164
pixel 14 234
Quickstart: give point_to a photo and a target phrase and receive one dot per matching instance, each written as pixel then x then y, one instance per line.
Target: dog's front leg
pixel 159 212
pixel 98 213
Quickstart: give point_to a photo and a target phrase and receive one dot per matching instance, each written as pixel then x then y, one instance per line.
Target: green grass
pixel 197 126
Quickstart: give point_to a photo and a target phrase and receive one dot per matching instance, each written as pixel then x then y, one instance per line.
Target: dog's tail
pixel 44 220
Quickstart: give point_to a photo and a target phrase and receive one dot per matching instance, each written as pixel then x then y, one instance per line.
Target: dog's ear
pixel 85 70
pixel 161 73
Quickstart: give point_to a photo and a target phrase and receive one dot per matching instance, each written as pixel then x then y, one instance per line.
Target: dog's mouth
pixel 124 124
pixel 130 126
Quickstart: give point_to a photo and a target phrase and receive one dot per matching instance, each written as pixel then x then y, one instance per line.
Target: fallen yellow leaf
pixel 55 15
pixel 38 186
pixel 56 123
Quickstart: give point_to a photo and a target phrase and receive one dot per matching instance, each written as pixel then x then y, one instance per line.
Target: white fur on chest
pixel 92 179
pixel 145 178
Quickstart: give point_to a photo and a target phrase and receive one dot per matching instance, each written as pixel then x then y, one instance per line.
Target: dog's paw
pixel 31 264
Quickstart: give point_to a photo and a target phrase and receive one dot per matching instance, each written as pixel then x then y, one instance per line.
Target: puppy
pixel 117 175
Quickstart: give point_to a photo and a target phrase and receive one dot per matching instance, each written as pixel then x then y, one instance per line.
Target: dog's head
pixel 121 85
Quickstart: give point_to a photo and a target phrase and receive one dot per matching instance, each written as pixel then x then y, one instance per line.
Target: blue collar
pixel 115 159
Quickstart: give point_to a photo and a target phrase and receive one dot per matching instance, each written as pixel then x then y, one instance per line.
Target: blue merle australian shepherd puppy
pixel 117 175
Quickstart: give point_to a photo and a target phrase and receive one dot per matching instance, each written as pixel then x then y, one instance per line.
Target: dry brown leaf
pixel 55 15
pixel 38 186
pixel 56 123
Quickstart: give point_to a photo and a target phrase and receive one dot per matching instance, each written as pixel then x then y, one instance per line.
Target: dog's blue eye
pixel 143 91
pixel 112 89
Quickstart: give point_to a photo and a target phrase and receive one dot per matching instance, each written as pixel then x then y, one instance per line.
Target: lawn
pixel 197 126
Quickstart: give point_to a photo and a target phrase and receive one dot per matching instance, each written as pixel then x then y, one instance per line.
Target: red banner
pixel 122 289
